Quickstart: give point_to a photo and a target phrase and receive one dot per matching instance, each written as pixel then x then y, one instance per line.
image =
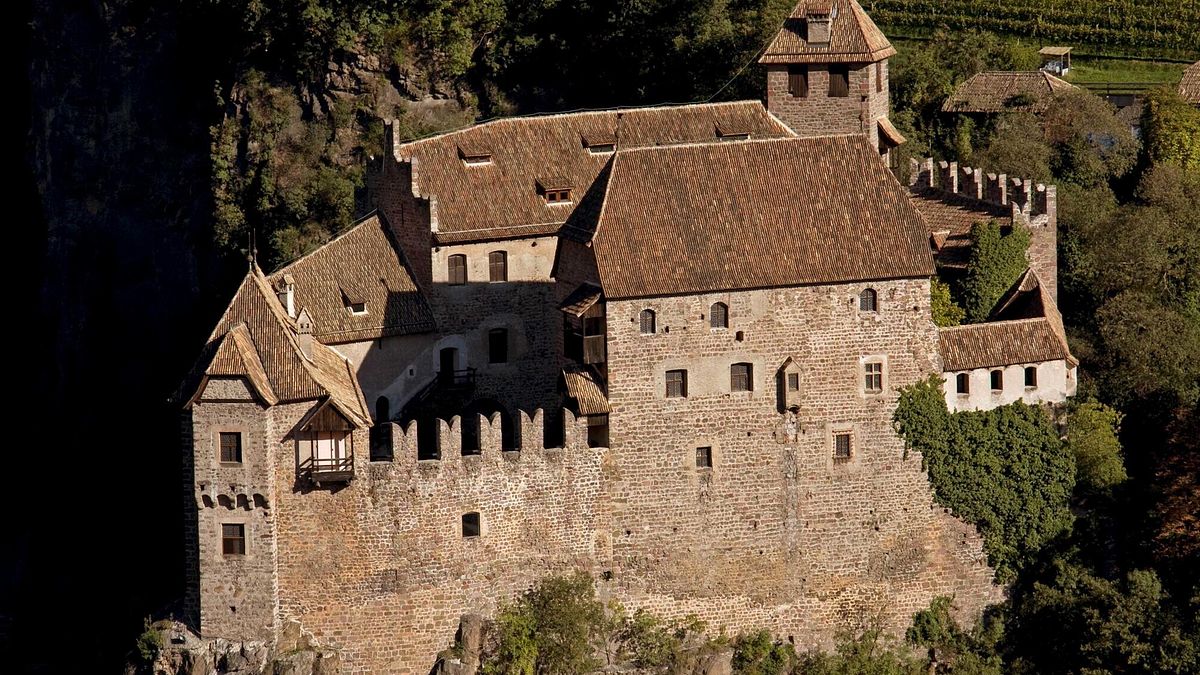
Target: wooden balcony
pixel 323 470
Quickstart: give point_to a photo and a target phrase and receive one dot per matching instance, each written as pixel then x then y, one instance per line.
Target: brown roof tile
pixel 1189 85
pixel 993 92
pixel 364 264
pixel 853 36
pixel 581 299
pixel 1000 343
pixel 500 199
pixel 755 214
pixel 236 356
pixel 585 387
pixel 1027 299
pixel 950 218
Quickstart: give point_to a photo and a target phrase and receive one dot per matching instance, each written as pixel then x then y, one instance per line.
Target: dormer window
pixel 726 132
pixel 358 308
pixel 356 303
pixel 600 143
pixel 555 189
pixel 474 156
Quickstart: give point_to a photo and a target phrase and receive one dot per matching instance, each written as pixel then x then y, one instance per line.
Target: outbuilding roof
pixel 1005 91
pixel 853 36
pixel 1189 85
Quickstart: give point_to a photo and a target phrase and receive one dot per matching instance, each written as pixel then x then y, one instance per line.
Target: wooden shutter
pixel 839 81
pixel 498 266
pixel 798 81
pixel 457 269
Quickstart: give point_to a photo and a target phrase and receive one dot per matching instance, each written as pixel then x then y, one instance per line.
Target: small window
pixel 798 81
pixel 718 315
pixel 873 377
pixel 676 384
pixel 231 447
pixel 879 76
pixel 793 381
pixel 997 380
pixel 498 345
pixel 602 148
pixel 456 269
pixel 470 524
pixel 842 447
pixel 233 539
pixel 704 457
pixel 741 377
pixel 868 300
pixel 647 320
pixel 1031 376
pixel 839 81
pixel 498 266
pixel 562 196
pixel 383 410
pixel 963 382
pixel 357 308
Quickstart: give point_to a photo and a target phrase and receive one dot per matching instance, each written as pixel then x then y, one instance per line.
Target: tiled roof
pixel 581 299
pixel 950 218
pixel 584 386
pixel 501 199
pixel 999 343
pixel 755 214
pixel 1189 86
pixel 994 92
pixel 890 132
pixel 853 36
pixel 236 356
pixel 1029 299
pixel 256 314
pixel 362 265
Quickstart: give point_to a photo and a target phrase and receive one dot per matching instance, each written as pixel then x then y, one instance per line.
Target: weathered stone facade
pixel 818 113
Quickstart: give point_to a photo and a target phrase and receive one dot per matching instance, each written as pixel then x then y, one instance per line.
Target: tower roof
pixel 853 36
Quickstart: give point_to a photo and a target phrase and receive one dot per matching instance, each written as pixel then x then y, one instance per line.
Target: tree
pixel 1092 437
pixel 552 629
pixel 1172 129
pixel 1015 146
pixel 945 311
pixel 1091 145
pixel 952 649
pixel 995 263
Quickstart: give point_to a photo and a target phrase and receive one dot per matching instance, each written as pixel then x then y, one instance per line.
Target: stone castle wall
pixel 819 114
pixel 776 533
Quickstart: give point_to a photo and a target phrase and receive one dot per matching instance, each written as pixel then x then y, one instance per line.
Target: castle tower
pixel 827 73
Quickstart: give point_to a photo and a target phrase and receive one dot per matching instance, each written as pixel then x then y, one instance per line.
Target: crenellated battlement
pixel 1032 204
pixel 528 433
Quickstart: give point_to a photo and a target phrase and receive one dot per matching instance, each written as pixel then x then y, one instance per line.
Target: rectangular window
pixel 963 383
pixel 231 447
pixel 741 377
pixel 676 384
pixel 873 379
pixel 233 539
pixel 456 269
pixel 798 81
pixel 558 196
pixel 358 308
pixel 839 81
pixel 793 381
pixel 498 266
pixel 997 380
pixel 470 524
pixel 704 458
pixel 1031 376
pixel 879 76
pixel 842 447
pixel 498 345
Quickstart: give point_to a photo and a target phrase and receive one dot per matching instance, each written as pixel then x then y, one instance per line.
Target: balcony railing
pixel 457 378
pixel 328 469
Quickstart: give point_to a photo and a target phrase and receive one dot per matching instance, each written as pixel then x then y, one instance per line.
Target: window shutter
pixel 457 269
pixel 498 266
pixel 839 81
pixel 798 81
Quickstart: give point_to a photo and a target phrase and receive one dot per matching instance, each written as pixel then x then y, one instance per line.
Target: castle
pixel 662 345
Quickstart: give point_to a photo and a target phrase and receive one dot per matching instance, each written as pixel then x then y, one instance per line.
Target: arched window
pixel 648 322
pixel 997 380
pixel 1031 376
pixel 868 300
pixel 470 524
pixel 383 410
pixel 963 382
pixel 498 266
pixel 456 269
pixel 718 315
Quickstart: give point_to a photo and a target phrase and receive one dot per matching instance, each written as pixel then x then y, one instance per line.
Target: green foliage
pixel 149 643
pixel 1091 145
pixel 1016 147
pixel 550 630
pixel 1077 622
pixel 1092 437
pixel 996 261
pixel 1172 129
pixel 867 653
pixel 759 653
pixel 945 311
pixel 1003 469
pixel 972 652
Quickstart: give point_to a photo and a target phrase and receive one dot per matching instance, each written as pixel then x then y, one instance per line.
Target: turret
pixel 827 73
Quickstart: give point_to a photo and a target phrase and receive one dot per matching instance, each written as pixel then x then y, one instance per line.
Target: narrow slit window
pixel 1031 376
pixel 997 380
pixel 718 315
pixel 233 539
pixel 842 447
pixel 676 384
pixel 793 381
pixel 456 269
pixel 879 76
pixel 741 377
pixel 470 524
pixel 704 458
pixel 873 377
pixel 963 383
pixel 231 447
pixel 498 266
pixel 648 322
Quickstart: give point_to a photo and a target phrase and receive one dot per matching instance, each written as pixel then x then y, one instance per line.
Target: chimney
pixel 287 294
pixel 304 329
pixel 819 17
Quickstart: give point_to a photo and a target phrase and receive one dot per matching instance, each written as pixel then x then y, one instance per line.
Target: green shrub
pixel 759 653
pixel 1092 437
pixel 552 629
pixel 945 311
pixel 149 643
pixel 996 261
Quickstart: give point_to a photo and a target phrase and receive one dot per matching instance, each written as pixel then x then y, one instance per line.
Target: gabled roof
pixel 999 343
pixel 853 36
pixel 1002 91
pixel 501 199
pixel 1189 85
pixel 1028 298
pixel 365 265
pixel 256 327
pixel 586 388
pixel 755 214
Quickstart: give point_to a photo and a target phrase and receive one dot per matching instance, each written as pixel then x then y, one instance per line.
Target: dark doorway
pixel 446 360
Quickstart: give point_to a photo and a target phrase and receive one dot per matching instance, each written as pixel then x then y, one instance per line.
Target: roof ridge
pixel 373 213
pixel 983 324
pixel 732 144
